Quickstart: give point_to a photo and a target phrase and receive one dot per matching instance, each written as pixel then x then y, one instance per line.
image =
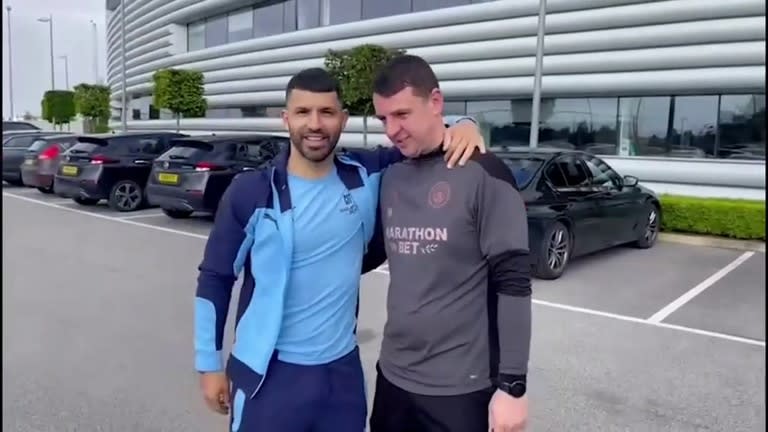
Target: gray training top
pixel 457 245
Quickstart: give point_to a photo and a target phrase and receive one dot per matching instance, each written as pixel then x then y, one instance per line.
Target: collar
pixel 280 164
pixel 438 152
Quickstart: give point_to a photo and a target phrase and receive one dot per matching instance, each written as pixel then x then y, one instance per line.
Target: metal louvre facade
pixel 483 51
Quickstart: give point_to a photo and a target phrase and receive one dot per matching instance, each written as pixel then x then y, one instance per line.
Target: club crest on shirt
pixel 439 194
pixel 349 205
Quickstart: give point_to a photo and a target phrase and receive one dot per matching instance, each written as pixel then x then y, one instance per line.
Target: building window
pixel 497 121
pixel 587 124
pixel 240 25
pixel 379 8
pixel 220 113
pixel 261 111
pixel 341 11
pixel 307 14
pixel 216 31
pixel 425 5
pixel 643 125
pixel 692 133
pixel 268 20
pixel 741 127
pixel 455 108
pixel 196 36
pixel 289 16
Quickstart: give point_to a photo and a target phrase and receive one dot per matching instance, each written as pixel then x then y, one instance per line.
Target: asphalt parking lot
pixel 97 318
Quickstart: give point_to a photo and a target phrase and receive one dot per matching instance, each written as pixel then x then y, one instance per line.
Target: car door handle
pixel 141 162
pixel 247 169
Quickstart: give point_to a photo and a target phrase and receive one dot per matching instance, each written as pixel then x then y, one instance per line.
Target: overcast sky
pixel 72 36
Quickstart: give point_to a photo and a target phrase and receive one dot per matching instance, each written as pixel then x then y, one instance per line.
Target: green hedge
pixel 740 219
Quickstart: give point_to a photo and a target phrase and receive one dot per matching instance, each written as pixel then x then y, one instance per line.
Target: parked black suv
pixel 195 172
pixel 114 167
pixel 15 146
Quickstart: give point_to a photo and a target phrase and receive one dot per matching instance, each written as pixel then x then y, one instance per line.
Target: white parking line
pixel 638 320
pixel 698 289
pixel 139 216
pixel 384 270
pixel 105 217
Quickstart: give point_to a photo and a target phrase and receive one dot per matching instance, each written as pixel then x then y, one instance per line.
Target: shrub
pixel 734 218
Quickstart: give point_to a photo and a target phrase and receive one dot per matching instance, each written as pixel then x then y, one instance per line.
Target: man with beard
pixel 299 231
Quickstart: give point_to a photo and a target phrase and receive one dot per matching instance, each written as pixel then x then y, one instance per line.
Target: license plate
pixel 168 178
pixel 29 162
pixel 69 170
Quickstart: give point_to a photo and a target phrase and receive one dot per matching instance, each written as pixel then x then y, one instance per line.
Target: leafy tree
pixel 59 107
pixel 355 69
pixel 92 102
pixel 181 92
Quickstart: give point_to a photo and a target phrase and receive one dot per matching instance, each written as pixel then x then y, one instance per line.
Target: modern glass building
pixel 671 91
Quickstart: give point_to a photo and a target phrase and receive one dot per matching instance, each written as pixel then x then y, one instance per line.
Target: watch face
pixel 517 389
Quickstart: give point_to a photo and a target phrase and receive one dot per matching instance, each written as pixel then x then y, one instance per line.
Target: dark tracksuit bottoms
pixel 297 398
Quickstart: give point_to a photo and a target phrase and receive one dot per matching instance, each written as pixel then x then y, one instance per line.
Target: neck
pixel 301 167
pixel 435 140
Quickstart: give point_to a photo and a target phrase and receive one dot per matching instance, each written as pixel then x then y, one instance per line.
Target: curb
pixel 716 242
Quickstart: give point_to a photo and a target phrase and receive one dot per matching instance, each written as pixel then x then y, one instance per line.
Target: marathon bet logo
pixel 415 240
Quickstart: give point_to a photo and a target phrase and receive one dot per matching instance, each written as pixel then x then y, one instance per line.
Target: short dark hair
pixel 403 71
pixel 315 80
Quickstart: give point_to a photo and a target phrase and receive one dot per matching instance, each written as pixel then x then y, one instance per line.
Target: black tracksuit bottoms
pixel 397 410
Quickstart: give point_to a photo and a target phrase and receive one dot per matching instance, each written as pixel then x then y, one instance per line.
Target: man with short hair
pixel 298 230
pixel 456 343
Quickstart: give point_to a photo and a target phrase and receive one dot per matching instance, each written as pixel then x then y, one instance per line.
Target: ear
pixel 437 101
pixel 284 115
pixel 344 118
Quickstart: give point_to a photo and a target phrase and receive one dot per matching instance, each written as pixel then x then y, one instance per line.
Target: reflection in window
pixel 261 111
pixel 496 120
pixel 692 132
pixel 289 16
pixel 268 20
pixel 196 36
pixel 454 108
pixel 216 31
pixel 307 14
pixel 742 127
pixel 587 124
pixel 643 125
pixel 341 11
pixel 379 8
pixel 240 25
pixel 223 113
pixel 423 5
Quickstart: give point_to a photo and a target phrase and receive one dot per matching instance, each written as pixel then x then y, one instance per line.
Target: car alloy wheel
pixel 652 226
pixel 127 196
pixel 558 249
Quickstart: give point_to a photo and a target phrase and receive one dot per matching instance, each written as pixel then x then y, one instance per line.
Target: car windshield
pixel 523 168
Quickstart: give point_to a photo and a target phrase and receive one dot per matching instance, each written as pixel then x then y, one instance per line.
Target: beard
pixel 314 146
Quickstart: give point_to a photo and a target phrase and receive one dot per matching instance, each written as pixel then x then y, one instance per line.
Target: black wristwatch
pixel 515 388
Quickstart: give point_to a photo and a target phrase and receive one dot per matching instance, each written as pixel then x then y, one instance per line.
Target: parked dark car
pixel 193 175
pixel 114 167
pixel 42 158
pixel 15 146
pixel 577 204
pixel 18 125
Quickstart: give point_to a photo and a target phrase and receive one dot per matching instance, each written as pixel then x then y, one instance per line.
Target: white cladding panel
pixel 482 51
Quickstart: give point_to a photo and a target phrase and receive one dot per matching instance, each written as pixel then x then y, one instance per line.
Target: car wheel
pixel 85 201
pixel 554 252
pixel 126 196
pixel 651 227
pixel 177 214
pixel 46 190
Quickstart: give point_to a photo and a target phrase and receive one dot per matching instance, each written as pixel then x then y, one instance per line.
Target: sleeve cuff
pixel 208 361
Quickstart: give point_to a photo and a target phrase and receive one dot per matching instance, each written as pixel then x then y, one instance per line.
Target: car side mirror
pixel 630 181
